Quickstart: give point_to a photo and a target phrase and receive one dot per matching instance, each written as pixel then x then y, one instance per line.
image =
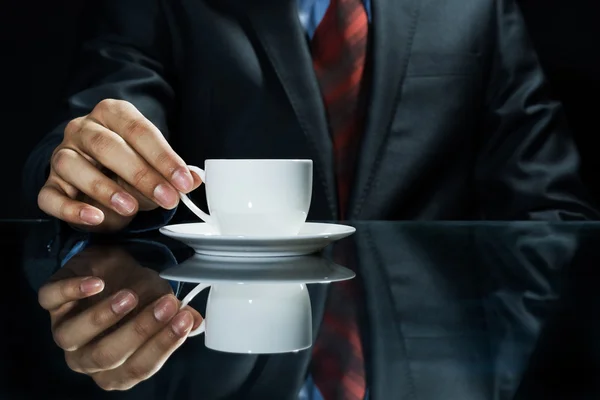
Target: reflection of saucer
pixel 312 238
pixel 213 269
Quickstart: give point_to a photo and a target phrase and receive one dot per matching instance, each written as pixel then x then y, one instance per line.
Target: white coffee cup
pixel 255 197
pixel 255 318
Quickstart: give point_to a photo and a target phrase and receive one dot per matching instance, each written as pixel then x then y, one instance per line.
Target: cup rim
pixel 261 160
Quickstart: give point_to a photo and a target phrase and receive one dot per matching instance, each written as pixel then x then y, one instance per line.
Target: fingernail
pixel 166 196
pixel 91 216
pixel 182 323
pixel 182 179
pixel 91 285
pixel 165 309
pixel 123 202
pixel 123 301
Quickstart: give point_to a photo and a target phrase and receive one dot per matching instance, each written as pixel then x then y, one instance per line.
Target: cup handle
pixel 193 293
pixel 190 204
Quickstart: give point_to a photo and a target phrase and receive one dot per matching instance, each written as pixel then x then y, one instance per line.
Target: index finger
pixel 54 295
pixel 124 119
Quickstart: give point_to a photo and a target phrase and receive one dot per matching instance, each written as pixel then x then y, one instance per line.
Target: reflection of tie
pixel 339 51
pixel 337 359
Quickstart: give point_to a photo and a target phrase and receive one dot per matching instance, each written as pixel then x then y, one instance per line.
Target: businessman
pixel 410 109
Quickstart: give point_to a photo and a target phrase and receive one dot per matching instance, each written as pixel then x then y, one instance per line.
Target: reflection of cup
pixel 255 318
pixel 255 197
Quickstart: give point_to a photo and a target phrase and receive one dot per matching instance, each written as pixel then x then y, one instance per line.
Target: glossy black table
pixel 452 311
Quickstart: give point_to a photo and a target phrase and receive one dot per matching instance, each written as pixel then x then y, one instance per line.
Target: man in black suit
pixel 410 109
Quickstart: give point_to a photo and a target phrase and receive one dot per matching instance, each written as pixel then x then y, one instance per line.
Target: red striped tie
pixel 339 49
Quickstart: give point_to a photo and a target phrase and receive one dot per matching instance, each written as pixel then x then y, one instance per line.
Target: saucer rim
pixel 232 276
pixel 349 230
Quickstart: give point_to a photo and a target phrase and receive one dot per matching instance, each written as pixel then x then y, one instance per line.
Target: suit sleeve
pixel 528 166
pixel 127 56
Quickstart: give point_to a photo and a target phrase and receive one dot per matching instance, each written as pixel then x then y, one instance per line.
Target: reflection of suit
pixel 459 125
pixel 455 321
pixel 525 268
pixel 458 320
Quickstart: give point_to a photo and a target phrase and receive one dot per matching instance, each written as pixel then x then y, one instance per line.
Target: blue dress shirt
pixel 311 13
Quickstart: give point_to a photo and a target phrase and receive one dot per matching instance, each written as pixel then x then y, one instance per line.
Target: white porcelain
pixel 255 197
pixel 302 269
pixel 255 318
pixel 205 239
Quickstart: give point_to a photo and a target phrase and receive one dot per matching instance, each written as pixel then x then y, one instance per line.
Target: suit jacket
pixel 459 124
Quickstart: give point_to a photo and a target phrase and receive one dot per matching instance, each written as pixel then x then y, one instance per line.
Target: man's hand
pixel 111 164
pixel 116 320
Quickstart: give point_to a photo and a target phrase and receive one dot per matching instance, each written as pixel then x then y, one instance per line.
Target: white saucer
pixel 312 238
pixel 301 269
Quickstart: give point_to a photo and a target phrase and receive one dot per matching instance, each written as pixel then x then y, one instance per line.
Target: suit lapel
pixel 393 26
pixel 284 41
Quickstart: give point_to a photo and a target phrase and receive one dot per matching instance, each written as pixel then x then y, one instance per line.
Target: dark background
pixel 40 39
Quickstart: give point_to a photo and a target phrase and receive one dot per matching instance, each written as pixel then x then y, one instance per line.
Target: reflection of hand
pixel 116 320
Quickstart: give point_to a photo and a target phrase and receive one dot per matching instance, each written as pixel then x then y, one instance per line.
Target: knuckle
pixel 102 358
pixel 61 160
pixel 139 175
pixel 104 384
pixel 135 372
pixel 166 342
pixel 65 291
pixel 107 105
pixel 72 363
pixel 42 297
pixel 65 211
pixel 127 386
pixel 165 158
pixel 97 187
pixel 135 129
pixel 99 318
pixel 99 143
pixel 73 127
pixel 61 338
pixel 142 330
pixel 44 199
